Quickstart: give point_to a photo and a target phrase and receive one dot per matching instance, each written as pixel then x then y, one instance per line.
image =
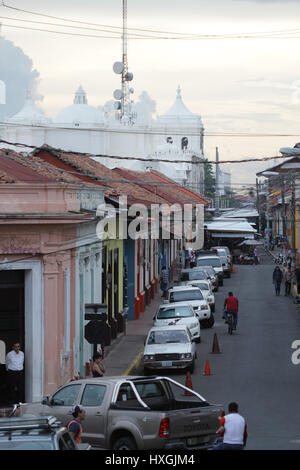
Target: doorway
pixel 12 321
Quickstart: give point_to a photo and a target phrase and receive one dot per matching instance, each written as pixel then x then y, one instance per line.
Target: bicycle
pixel 230 322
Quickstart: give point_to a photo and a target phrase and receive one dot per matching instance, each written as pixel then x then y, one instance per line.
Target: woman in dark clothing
pixel 277 279
pixel 98 368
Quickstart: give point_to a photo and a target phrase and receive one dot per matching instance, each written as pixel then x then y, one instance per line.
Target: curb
pixel 134 364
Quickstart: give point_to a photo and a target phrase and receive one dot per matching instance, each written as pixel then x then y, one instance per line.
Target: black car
pixel 36 433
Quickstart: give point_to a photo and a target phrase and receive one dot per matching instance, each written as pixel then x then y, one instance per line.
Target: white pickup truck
pixel 128 413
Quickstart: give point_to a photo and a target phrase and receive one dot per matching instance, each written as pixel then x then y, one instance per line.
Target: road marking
pixel 134 363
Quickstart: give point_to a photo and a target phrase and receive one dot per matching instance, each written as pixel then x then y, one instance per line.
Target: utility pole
pixel 217 197
pixel 283 207
pixel 258 206
pixel 293 219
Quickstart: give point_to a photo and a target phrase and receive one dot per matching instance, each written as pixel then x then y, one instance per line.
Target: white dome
pixel 29 114
pixel 180 113
pixel 80 112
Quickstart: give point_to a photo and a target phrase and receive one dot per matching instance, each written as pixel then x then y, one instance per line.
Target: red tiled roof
pixel 164 187
pixel 96 173
pixel 28 169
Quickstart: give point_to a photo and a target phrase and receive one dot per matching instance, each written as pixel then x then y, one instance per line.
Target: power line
pixel 133 130
pixel 182 35
pixel 86 155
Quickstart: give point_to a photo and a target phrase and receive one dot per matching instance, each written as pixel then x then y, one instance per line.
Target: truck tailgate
pixel 194 424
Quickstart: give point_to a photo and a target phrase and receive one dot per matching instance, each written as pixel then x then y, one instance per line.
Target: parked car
pixel 169 347
pixel 36 433
pixel 195 298
pixel 129 413
pixel 205 287
pixel 193 274
pixel 226 266
pixel 212 276
pixel 215 262
pixel 223 249
pixel 180 313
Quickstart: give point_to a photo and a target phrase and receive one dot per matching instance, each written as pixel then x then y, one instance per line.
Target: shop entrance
pixel 12 321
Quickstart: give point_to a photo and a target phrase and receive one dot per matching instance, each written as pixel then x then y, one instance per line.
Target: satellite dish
pixel 129 76
pixel 118 94
pixel 117 105
pixel 118 67
pixel 131 90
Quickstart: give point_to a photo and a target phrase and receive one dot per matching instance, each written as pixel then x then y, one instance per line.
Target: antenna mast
pixel 123 106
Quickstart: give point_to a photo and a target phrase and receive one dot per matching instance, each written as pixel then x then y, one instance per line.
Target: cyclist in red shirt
pixel 231 304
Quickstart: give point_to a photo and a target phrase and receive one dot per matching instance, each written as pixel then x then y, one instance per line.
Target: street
pixel 254 367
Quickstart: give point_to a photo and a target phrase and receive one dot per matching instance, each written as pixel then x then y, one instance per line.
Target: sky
pixel 236 85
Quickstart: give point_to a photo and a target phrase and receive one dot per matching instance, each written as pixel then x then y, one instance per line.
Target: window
pixel 93 395
pixel 126 393
pixel 150 390
pixel 184 143
pixel 164 337
pixel 184 295
pixel 174 312
pixel 66 396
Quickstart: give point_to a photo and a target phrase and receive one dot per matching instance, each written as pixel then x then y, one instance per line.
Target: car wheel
pixel 211 321
pixel 124 443
pixel 198 340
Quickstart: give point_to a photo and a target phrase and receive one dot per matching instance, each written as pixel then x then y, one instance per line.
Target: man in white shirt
pixel 15 366
pixel 233 428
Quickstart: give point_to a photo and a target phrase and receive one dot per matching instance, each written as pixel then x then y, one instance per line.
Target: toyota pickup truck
pixel 134 413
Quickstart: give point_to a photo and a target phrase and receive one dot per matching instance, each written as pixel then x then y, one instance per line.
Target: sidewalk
pixel 126 355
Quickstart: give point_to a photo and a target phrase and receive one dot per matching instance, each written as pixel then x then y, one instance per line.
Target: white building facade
pixel 175 135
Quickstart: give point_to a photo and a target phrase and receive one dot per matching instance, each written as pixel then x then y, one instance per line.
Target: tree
pixel 209 180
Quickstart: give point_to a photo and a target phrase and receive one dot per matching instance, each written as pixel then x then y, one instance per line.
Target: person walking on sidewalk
pixel 288 275
pixel 75 426
pixel 233 428
pixel 277 279
pixel 15 369
pixel 255 256
pixel 164 281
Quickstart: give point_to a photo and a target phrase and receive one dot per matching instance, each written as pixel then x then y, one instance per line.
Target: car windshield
pixel 202 286
pixel 26 445
pixel 164 337
pixel 183 295
pixel 193 275
pixel 174 312
pixel 210 271
pixel 215 262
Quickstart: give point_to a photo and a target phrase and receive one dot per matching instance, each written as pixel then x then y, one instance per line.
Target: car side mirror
pixel 223 264
pixel 46 401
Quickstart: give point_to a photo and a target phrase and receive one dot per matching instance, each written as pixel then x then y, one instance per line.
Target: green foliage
pixel 209 180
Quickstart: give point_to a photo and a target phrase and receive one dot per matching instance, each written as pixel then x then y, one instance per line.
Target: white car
pixel 213 261
pixel 180 313
pixel 194 297
pixel 223 250
pixel 205 287
pixel 169 347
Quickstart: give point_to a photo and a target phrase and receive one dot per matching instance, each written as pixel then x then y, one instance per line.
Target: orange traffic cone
pixel 215 348
pixel 232 268
pixel 207 369
pixel 188 383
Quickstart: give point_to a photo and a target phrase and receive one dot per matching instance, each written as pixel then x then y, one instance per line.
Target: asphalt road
pixel 254 367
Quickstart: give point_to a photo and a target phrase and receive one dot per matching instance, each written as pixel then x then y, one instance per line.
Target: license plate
pixel 167 363
pixel 192 441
